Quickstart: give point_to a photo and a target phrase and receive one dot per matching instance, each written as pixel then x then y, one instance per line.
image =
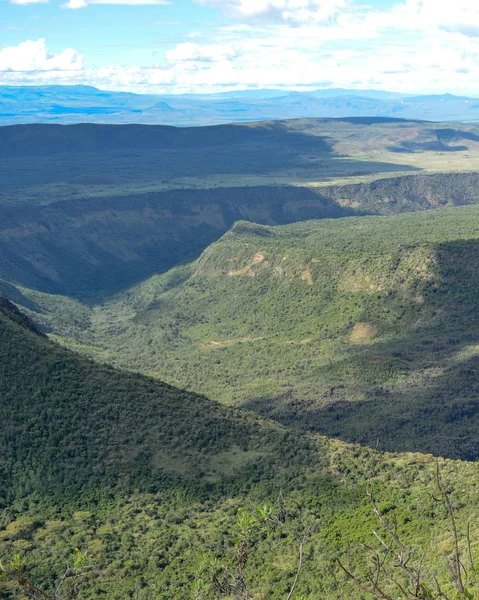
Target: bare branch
pixel 452 519
pixel 375 591
pixel 469 550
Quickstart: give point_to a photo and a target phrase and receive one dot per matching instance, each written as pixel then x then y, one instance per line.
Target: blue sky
pixel 181 46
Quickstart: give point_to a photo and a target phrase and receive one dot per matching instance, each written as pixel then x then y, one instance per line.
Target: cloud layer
pixel 29 1
pixel 277 11
pixel 33 56
pixel 189 52
pixel 76 4
pixel 413 46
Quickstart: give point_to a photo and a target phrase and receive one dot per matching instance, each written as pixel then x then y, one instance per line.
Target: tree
pixel 398 574
pixel 229 582
pixel 67 587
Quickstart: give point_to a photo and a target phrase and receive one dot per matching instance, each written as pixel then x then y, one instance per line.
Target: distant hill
pixel 88 210
pixel 74 104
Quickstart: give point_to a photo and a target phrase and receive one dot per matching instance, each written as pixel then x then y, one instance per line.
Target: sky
pixel 205 46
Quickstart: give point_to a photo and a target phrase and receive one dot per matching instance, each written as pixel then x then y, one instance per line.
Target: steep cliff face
pixel 92 246
pixel 83 247
pixel 408 192
pixel 88 210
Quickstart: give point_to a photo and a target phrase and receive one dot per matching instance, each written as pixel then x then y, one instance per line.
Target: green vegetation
pixel 362 328
pixel 70 426
pixel 150 484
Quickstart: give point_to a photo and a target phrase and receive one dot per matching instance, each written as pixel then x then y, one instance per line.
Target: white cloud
pixel 427 15
pixel 29 1
pixel 75 4
pixel 414 46
pixel 279 57
pixel 277 11
pixel 191 52
pixel 34 56
pixel 443 13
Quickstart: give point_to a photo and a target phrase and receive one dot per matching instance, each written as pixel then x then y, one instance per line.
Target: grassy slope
pixel 72 436
pixel 361 328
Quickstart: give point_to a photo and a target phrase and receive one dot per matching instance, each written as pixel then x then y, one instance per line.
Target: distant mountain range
pixel 74 104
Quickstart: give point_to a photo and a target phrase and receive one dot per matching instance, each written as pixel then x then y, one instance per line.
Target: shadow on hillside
pixel 166 168
pixel 440 415
pixel 9 291
pixel 420 392
pixel 377 120
pixel 430 146
pixel 51 139
pixel 106 155
pixel 95 247
pixel 439 142
pixel 454 135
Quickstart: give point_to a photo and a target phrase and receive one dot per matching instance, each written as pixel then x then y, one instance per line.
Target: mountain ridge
pixel 70 104
pixel 87 210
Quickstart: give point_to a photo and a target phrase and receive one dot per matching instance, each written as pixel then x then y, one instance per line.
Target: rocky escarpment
pixel 88 246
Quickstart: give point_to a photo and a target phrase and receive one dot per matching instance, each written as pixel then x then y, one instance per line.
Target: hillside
pixel 88 210
pixel 152 482
pixel 359 328
pixel 71 426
